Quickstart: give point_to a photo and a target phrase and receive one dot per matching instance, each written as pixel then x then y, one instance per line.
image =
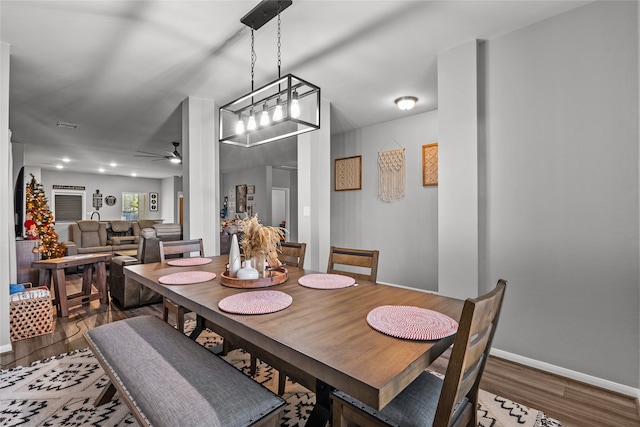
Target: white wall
pixel 562 190
pixel 405 231
pixel 7 233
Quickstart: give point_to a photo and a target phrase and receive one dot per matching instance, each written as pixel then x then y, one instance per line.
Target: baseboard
pixel 568 373
pixel 6 348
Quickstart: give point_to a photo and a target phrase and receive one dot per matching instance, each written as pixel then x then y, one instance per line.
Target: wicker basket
pixel 30 313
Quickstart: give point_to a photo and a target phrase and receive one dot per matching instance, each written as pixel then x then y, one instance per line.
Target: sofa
pixel 89 236
pixel 127 293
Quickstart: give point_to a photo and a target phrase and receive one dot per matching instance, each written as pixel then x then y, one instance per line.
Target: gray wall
pixel 558 200
pixel 562 189
pixel 263 178
pixel 113 185
pixel 405 231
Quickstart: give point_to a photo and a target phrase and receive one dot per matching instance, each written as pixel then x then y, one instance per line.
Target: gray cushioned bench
pixel 167 379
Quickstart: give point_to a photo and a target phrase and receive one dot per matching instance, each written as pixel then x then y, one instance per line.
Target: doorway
pixel 280 208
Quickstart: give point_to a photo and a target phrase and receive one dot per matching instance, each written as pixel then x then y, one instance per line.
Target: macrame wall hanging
pixel 391 174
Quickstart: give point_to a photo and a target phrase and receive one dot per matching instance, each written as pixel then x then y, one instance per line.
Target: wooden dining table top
pixel 323 332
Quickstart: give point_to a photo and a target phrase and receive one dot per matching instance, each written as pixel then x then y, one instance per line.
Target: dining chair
pixel 363 259
pixel 292 253
pixel 175 249
pixel 429 400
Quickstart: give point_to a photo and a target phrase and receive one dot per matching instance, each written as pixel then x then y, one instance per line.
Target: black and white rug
pixel 60 391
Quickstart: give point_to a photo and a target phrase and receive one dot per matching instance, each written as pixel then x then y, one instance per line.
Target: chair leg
pixel 282 381
pixel 254 365
pixel 180 318
pixel 165 310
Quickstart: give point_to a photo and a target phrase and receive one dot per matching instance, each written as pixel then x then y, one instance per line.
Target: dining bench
pixel 167 379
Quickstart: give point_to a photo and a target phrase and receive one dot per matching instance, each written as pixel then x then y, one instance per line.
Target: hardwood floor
pixel 574 404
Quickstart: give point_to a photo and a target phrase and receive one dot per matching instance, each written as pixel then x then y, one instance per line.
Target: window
pixel 68 206
pixel 133 206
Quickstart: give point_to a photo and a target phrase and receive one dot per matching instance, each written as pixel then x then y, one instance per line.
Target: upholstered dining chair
pixel 363 259
pixel 430 401
pixel 174 249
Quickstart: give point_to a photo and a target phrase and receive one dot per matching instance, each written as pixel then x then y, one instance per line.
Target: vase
pixel 235 262
pixel 248 272
pixel 260 264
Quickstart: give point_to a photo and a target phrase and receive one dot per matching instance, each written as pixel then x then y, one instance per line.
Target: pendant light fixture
pixel 286 107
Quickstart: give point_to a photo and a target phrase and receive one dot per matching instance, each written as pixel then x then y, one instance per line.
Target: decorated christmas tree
pixel 39 223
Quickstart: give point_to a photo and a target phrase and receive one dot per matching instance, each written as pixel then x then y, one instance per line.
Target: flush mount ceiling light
pixel 406 102
pixel 286 107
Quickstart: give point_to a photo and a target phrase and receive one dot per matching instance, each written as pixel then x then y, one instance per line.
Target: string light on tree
pixel 38 210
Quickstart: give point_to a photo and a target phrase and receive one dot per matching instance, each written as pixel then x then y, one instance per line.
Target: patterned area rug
pixel 60 392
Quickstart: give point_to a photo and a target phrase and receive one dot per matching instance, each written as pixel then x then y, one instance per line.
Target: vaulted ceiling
pixel 120 69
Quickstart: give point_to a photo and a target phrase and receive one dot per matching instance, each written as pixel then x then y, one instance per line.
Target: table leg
pixel 87 279
pixel 199 328
pixel 60 288
pixel 101 282
pixel 321 413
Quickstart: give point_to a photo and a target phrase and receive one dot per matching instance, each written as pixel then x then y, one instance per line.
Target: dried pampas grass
pixel 260 240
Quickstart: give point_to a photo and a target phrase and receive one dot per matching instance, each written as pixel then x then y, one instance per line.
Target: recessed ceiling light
pixel 134 174
pixel 59 166
pixel 66 125
pixel 113 164
pixel 101 170
pixel 66 160
pixel 406 102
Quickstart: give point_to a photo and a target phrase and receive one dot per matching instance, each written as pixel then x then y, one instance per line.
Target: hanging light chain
pixel 279 44
pixel 253 58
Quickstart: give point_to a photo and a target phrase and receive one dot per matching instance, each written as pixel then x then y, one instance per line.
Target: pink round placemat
pixel 187 278
pixel 413 323
pixel 326 281
pixel 186 262
pixel 256 302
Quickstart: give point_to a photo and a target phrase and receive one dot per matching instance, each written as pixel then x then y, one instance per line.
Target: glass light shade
pixel 406 102
pixel 251 125
pixel 308 97
pixel 240 125
pixel 175 160
pixel 277 112
pixel 295 105
pixel 264 117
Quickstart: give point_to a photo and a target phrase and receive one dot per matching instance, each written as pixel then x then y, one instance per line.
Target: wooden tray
pixel 277 277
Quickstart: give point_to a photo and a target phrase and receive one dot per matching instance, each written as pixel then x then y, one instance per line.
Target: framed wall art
pixel 251 189
pixel 430 164
pixel 241 198
pixel 348 173
pixel 153 202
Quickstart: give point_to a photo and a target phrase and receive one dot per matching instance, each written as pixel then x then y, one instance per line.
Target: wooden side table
pixel 55 268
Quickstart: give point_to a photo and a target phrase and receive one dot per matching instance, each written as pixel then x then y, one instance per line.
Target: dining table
pixel 322 339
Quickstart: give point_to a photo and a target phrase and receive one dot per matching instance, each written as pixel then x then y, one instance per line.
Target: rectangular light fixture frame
pixel 289 126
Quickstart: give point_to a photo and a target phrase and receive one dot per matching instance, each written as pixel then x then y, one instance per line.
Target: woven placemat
pixel 412 323
pixel 256 302
pixel 187 262
pixel 326 281
pixel 187 278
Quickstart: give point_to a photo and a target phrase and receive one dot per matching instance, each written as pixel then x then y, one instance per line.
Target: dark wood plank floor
pixel 573 403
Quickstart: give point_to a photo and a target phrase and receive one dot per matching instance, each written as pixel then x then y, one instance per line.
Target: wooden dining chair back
pixel 292 253
pixel 176 248
pixel 367 259
pixel 173 249
pixel 430 401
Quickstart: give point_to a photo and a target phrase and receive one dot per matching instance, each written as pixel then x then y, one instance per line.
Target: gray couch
pixel 89 236
pixel 128 293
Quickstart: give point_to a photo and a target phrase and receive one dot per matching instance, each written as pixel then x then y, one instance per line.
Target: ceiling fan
pixel 173 156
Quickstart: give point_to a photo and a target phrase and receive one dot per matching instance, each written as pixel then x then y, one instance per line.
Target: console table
pixel 54 268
